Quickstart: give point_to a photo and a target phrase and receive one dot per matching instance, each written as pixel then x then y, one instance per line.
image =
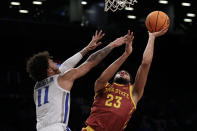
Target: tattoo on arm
pixel 100 55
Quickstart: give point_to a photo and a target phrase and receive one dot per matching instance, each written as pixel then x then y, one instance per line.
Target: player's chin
pixel 121 80
pixel 57 71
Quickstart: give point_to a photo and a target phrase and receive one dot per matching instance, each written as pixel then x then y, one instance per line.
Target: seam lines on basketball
pixel 156 21
pixel 150 25
pixel 164 23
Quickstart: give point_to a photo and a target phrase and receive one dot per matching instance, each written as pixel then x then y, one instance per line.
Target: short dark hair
pixel 37 66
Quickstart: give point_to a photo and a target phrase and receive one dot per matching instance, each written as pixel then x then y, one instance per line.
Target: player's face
pixel 122 76
pixel 53 66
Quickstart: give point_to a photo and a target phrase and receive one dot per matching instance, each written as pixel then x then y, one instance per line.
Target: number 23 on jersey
pixel 109 100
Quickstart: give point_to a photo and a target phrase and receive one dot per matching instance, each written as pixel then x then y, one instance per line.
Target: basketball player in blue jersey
pixel 52 90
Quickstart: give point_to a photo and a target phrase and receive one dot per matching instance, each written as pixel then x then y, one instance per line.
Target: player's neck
pixel 121 84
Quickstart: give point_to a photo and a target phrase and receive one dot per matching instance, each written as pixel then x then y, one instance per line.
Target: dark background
pixel 64 27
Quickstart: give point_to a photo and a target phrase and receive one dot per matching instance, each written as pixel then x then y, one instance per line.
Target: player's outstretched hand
pixel 118 42
pixel 159 33
pixel 95 38
pixel 129 42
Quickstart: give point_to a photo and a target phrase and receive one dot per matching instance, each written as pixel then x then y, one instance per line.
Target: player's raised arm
pixel 112 69
pixel 91 62
pixel 142 73
pixel 72 61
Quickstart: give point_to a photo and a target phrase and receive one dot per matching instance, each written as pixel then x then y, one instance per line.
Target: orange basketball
pixel 156 21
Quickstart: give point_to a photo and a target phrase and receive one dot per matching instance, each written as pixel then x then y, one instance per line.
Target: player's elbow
pixel 91 64
pixel 146 62
pixel 100 81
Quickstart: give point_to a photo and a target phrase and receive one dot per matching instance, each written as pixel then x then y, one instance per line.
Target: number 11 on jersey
pixel 45 95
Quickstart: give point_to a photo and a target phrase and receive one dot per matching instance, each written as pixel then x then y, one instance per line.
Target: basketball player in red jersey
pixel 114 103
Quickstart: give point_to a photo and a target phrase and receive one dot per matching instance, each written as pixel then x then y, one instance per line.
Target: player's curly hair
pixel 37 66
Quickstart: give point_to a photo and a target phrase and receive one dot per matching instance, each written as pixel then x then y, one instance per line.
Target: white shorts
pixel 55 127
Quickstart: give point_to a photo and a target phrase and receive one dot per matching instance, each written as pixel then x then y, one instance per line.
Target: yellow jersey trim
pixel 125 125
pixel 106 84
pixel 88 128
pixel 119 84
pixel 132 96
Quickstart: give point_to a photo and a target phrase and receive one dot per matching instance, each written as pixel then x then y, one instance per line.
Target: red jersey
pixel 112 108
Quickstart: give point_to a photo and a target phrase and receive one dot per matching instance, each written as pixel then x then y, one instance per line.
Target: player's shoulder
pixel 106 85
pixel 45 82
